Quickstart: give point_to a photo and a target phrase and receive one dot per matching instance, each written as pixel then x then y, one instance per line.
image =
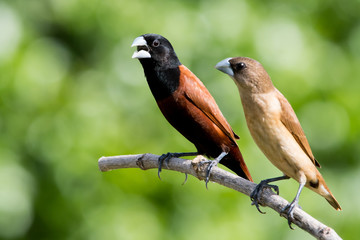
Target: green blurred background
pixel 70 93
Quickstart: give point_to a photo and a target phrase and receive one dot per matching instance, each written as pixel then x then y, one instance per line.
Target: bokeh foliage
pixel 70 93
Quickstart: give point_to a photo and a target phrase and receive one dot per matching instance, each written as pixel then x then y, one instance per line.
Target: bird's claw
pixel 186 177
pixel 288 210
pixel 208 171
pixel 211 164
pixel 256 203
pixel 164 158
pixel 254 196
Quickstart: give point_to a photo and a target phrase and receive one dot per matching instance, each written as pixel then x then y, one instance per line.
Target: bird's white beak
pixel 225 67
pixel 142 48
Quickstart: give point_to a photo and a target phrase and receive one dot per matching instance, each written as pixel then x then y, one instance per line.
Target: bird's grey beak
pixel 142 48
pixel 225 67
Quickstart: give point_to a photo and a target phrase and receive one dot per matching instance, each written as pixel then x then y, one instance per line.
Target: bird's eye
pixel 240 66
pixel 156 43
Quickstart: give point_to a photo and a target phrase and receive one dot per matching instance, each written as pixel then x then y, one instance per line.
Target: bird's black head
pixel 160 64
pixel 155 50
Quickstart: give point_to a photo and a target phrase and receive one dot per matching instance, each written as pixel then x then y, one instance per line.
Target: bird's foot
pixel 208 171
pixel 211 164
pixel 165 158
pixel 288 211
pixel 254 196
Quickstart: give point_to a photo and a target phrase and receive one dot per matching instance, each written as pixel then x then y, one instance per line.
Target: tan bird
pixel 276 130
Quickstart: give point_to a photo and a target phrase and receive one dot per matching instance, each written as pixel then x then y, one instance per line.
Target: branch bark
pixel 196 168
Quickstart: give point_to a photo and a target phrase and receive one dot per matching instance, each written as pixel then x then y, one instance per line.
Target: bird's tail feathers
pixel 236 163
pixel 324 191
pixel 331 199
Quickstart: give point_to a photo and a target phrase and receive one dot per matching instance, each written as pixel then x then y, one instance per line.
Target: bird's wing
pixel 290 121
pixel 197 94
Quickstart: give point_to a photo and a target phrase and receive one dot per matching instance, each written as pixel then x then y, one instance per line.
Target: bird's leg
pixel 167 156
pixel 289 209
pixel 212 164
pixel 254 196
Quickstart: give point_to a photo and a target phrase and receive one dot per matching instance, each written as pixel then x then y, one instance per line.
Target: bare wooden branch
pixel 198 169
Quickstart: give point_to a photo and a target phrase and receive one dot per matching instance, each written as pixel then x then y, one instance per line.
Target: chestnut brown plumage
pixel 276 130
pixel 187 105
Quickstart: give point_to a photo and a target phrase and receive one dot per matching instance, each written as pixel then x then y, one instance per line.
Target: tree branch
pixel 227 179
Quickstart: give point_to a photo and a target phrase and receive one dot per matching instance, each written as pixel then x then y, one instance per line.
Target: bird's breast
pixel 262 113
pixel 163 82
